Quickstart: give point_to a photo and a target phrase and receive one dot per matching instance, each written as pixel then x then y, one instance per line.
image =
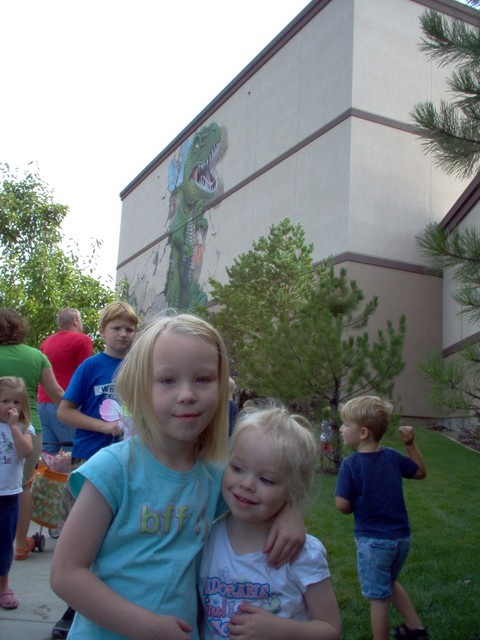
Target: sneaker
pixel 61 629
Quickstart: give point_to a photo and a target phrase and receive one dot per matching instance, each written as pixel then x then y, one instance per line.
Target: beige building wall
pixel 419 298
pixel 317 128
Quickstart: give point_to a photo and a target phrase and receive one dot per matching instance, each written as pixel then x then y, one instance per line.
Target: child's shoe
pixel 403 632
pixel 22 553
pixel 8 600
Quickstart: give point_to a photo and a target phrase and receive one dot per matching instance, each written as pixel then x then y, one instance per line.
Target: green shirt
pixel 28 363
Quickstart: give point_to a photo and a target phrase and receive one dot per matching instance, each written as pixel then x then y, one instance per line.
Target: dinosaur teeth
pixel 204 174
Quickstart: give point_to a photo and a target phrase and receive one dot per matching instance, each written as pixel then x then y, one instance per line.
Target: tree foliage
pixel 458 251
pixel 451 132
pixel 299 333
pixel 455 384
pixel 38 277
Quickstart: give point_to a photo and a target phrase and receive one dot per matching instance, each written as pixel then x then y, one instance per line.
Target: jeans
pixel 379 562
pixel 54 432
pixel 9 506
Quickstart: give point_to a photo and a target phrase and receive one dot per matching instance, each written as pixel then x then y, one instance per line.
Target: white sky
pixel 92 91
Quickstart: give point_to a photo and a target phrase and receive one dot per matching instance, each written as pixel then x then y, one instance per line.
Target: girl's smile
pixel 242 500
pixel 253 485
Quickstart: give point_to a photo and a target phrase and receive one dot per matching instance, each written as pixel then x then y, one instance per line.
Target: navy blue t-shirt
pixel 372 482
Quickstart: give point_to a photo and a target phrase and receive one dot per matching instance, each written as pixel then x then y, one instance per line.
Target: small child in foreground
pixel 271 464
pixel 16 444
pixel 369 484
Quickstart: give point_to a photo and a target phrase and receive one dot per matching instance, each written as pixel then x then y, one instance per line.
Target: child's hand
pixel 253 622
pixel 13 417
pixel 152 626
pixel 286 537
pixel 407 435
pixel 112 429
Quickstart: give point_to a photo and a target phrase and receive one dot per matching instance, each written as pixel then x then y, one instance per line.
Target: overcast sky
pixel 92 91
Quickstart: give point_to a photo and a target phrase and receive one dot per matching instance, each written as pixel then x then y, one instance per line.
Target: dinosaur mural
pixel 193 182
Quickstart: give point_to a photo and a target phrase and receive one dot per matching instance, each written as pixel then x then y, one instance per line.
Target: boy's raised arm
pixel 407 435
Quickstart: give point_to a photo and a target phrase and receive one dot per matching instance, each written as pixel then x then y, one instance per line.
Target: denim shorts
pixel 379 562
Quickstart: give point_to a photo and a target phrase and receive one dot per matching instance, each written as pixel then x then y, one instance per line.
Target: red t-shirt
pixel 65 350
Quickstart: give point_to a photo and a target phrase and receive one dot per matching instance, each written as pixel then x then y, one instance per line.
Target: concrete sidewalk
pixel 39 608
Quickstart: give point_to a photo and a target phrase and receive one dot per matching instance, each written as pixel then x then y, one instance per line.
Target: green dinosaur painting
pixel 193 183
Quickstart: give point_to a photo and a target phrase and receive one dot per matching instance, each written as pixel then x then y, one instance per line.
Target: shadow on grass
pixel 442 572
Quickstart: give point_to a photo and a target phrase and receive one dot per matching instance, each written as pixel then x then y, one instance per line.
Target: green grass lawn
pixel 442 572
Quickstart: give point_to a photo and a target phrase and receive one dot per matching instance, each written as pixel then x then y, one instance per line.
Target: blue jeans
pixel 379 562
pixel 54 431
pixel 9 506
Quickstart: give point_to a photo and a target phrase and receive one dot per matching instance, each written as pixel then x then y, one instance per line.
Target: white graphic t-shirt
pixel 227 580
pixel 11 466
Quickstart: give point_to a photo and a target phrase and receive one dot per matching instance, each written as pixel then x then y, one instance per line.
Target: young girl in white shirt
pixel 272 463
pixel 16 443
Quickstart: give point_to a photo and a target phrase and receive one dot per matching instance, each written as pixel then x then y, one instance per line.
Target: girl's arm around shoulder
pixel 73 581
pixel 286 537
pixel 407 435
pixel 324 622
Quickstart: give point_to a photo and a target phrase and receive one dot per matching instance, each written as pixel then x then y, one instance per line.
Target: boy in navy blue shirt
pixel 369 485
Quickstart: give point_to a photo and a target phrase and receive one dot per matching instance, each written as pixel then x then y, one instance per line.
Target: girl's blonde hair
pixel 292 439
pixel 17 384
pixel 134 383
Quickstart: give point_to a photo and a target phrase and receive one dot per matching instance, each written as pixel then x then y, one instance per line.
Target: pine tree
pixel 455 384
pixel 451 132
pixel 298 333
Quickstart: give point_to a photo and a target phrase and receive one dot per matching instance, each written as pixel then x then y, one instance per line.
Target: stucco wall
pixel 319 132
pixel 419 298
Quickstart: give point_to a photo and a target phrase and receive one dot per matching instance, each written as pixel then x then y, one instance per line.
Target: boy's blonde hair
pixel 368 411
pixel 292 439
pixel 134 383
pixel 17 384
pixel 117 311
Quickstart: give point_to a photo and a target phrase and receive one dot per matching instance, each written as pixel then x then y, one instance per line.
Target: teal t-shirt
pixel 161 519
